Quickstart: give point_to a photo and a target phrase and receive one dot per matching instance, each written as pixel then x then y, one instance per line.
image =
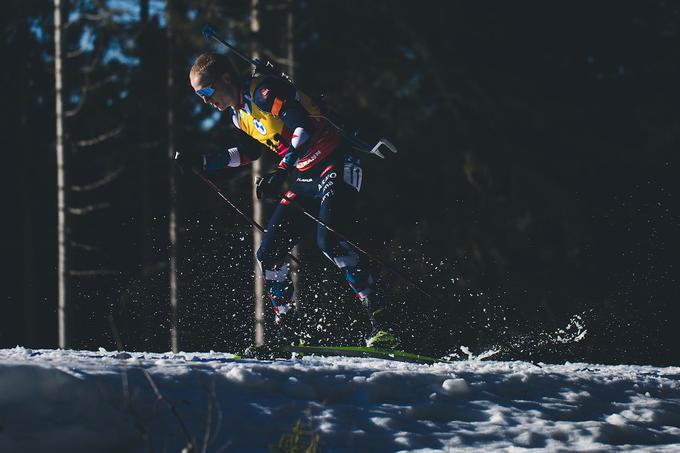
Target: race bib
pixel 352 175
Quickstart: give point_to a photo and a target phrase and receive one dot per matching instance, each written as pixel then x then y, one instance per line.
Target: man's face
pixel 226 94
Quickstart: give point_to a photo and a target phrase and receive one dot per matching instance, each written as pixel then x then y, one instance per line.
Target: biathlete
pixel 270 111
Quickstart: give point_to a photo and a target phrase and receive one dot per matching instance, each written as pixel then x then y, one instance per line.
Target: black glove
pixel 187 161
pixel 270 184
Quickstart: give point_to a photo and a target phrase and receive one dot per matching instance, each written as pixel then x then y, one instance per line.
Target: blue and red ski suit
pixel 327 183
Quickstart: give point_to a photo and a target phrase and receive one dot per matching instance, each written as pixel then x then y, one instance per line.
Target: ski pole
pixel 210 33
pixel 370 256
pixel 250 220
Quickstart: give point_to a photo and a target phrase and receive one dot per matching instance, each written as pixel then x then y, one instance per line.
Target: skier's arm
pixel 277 97
pixel 245 150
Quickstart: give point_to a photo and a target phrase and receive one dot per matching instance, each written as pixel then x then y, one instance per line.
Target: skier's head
pixel 213 79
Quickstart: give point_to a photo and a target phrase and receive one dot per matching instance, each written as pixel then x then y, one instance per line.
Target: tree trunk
pixel 172 186
pixel 62 227
pixel 290 60
pixel 257 206
pixel 147 258
pixel 30 276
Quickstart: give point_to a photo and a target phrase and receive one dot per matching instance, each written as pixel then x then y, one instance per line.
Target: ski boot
pixel 381 336
pixel 361 282
pixel 282 333
pixel 266 351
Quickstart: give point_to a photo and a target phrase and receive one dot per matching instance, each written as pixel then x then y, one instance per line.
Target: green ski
pixel 362 351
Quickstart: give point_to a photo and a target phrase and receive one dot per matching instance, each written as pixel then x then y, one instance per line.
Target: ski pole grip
pixel 208 31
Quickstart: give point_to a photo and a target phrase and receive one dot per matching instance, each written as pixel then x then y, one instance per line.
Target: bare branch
pixel 223 447
pixel 93 273
pixel 76 53
pixel 109 177
pixel 75 110
pixel 83 93
pixel 208 422
pixel 173 410
pixel 219 415
pixel 81 102
pixel 100 138
pixel 101 83
pixel 126 386
pixel 68 25
pixel 85 90
pixel 87 248
pixel 99 16
pixel 88 209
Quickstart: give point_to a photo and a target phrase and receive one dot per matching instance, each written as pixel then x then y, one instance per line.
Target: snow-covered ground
pixel 84 401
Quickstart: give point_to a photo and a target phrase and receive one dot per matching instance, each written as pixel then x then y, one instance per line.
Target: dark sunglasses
pixel 206 91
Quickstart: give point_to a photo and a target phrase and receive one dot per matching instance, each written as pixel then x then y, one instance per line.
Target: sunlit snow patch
pixel 85 401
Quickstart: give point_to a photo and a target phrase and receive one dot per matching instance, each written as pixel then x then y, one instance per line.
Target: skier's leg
pixel 283 231
pixel 338 189
pixel 338 209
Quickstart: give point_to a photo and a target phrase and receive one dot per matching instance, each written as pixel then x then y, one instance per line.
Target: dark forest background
pixel 536 178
